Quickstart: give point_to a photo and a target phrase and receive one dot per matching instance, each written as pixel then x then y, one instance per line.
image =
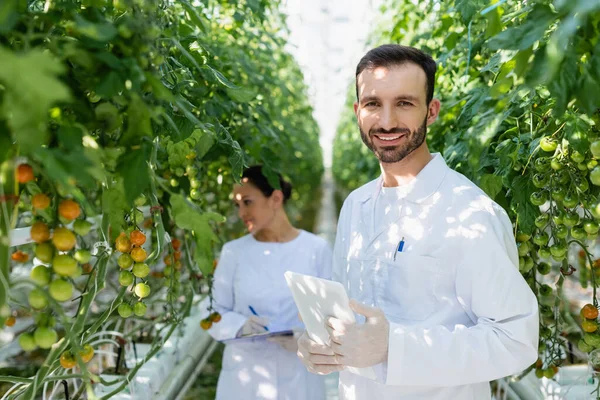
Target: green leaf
pixel 577 131
pixel 8 15
pixel 525 35
pixel 133 167
pixel 221 78
pixel 204 144
pixel 115 206
pixel 189 218
pixel 101 31
pixel 31 86
pixel 468 8
pixel 491 184
pixel 241 95
pixel 138 121
pixel 521 188
pixel 110 86
pixel 494 24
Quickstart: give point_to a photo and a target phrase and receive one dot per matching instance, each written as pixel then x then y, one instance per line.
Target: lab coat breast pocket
pixel 409 287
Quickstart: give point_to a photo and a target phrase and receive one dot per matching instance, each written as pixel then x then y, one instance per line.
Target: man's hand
pixel 362 345
pixel 253 325
pixel 318 359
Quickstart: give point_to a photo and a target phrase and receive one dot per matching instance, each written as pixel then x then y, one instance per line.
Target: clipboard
pixel 257 336
pixel 317 299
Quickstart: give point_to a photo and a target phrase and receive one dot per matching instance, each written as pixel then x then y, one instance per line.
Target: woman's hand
pixel 290 342
pixel 253 325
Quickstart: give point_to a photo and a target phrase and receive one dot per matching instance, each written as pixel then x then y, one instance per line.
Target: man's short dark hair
pixel 390 55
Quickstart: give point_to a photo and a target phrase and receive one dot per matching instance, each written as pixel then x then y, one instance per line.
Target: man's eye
pixel 247 202
pixel 404 104
pixel 371 104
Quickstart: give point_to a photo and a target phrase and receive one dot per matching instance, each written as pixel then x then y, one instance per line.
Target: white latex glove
pixel 253 325
pixel 290 342
pixel 361 345
pixel 317 358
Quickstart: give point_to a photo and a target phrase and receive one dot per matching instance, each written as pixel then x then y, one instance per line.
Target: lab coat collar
pixel 425 184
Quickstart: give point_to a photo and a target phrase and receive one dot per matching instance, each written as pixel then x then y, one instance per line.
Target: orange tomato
pixel 39 232
pixel 176 243
pixel 589 311
pixel 19 256
pixel 87 353
pixel 10 321
pixel 123 244
pixel 40 201
pixel 215 317
pixel 69 209
pixel 137 238
pixel 24 173
pixel 64 239
pixel 67 361
pixel 138 254
pixel 206 324
pixel 168 259
pixel 177 255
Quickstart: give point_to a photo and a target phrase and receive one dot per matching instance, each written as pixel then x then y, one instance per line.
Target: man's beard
pixel 393 154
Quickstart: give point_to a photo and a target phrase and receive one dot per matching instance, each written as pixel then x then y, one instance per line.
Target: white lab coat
pixel 460 312
pixel 250 273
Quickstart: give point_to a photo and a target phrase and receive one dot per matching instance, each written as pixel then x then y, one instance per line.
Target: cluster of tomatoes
pixel 55 248
pixel 131 262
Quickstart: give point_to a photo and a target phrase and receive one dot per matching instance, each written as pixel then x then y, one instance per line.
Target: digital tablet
pixel 258 336
pixel 318 299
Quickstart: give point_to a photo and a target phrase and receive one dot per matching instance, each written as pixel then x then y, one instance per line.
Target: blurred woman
pixel 250 293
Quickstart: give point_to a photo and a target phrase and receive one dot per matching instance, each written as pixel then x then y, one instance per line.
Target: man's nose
pixel 387 119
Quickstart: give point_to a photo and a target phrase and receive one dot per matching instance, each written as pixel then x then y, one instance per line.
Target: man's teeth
pixel 388 138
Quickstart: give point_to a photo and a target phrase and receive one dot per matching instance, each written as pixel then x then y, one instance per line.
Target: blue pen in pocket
pixel 254 313
pixel 399 248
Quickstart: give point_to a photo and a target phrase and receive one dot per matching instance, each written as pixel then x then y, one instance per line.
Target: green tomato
pixel 44 252
pixel 64 265
pixel 591 227
pixel 40 275
pixel 592 164
pixel 595 148
pixel 45 337
pixel 37 299
pixel 544 268
pixel 577 156
pixel 191 170
pixel 540 180
pixel 556 164
pixel 571 200
pixel 195 183
pixel 542 220
pixel 558 249
pixel 140 201
pixel 195 194
pixel 561 232
pixel 83 256
pixel 595 210
pixel 126 278
pixel 124 310
pixel 541 239
pixel 595 176
pixel 558 193
pixel 541 164
pixel 141 270
pixel 27 342
pixel 523 248
pixel 523 237
pixel 82 227
pixel 578 233
pixel 174 182
pixel 526 265
pixel 544 252
pixel 61 290
pixel 582 166
pixel 545 290
pixel 571 219
pixel 582 184
pixel 558 219
pixel 538 198
pixel 179 171
pixel 139 309
pixel 548 144
pixel 142 290
pixel 125 261
pixel 584 347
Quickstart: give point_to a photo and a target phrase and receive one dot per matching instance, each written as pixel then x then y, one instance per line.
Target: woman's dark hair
pixel 255 176
pixel 390 55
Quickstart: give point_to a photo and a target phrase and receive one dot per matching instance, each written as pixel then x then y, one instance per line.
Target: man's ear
pixel 433 110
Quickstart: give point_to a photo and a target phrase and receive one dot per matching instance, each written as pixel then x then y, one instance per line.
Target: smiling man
pixel 429 260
